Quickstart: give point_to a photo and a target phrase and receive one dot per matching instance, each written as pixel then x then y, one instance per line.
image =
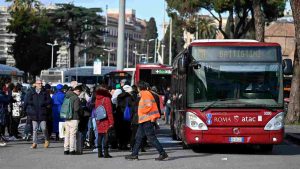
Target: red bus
pixel 228 92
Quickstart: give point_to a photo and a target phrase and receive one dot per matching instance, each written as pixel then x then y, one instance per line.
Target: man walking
pixel 36 104
pixel 71 123
pixel 147 114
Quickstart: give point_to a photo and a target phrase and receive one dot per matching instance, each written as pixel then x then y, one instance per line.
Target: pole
pixel 147 51
pixel 127 51
pixel 108 58
pixel 121 28
pixel 162 52
pixel 52 56
pixel 155 50
pixel 106 21
pixel 170 43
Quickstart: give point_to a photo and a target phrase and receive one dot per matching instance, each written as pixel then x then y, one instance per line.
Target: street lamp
pixel 148 41
pixel 52 45
pixel 108 57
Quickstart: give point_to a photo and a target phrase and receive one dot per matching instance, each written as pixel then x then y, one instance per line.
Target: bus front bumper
pixel 232 135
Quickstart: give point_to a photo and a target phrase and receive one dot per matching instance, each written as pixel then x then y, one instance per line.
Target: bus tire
pixel 266 148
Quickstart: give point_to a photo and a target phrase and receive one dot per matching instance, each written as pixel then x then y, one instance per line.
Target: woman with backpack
pixel 103 99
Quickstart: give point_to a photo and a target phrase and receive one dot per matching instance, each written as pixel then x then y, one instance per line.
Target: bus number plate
pixel 236 139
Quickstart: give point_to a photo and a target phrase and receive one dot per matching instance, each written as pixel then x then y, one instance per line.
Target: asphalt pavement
pixel 18 155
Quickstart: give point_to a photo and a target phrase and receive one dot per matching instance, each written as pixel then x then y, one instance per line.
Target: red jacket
pixel 104 125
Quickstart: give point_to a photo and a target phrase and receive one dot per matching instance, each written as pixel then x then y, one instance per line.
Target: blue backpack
pixel 100 112
pixel 127 112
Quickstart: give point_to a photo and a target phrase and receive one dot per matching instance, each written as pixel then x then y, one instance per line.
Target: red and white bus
pixel 216 98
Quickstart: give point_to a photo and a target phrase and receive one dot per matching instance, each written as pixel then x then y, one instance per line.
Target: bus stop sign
pixel 97 67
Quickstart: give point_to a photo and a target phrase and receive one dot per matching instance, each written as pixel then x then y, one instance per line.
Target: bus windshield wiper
pixel 214 102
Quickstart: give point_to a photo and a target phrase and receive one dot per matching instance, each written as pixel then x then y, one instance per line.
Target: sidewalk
pixel 293 132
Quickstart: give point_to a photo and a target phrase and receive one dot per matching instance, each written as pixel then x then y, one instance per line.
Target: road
pixel 18 155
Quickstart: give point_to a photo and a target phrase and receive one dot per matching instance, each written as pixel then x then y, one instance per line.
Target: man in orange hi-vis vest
pixel 147 114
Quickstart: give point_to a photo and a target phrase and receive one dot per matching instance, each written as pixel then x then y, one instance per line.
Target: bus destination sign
pixel 161 72
pixel 235 53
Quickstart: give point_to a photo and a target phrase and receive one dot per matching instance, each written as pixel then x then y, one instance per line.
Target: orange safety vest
pixel 147 110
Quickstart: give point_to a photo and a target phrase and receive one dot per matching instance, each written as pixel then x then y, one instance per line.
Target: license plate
pixel 236 139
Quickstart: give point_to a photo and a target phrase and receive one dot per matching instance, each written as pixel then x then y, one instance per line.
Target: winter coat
pixel 57 101
pixel 123 99
pixel 134 112
pixel 104 96
pixel 77 111
pixel 36 105
pixel 3 107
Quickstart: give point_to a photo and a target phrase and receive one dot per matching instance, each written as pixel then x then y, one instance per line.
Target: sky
pixel 144 8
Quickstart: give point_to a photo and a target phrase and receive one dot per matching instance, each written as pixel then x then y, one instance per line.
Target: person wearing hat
pixel 57 101
pixel 122 125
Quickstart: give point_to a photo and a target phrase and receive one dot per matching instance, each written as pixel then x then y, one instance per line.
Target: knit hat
pixel 59 87
pixel 127 88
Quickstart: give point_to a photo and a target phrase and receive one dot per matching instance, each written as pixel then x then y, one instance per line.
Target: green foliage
pixel 78 25
pixel 239 10
pixel 151 33
pixel 32 31
pixel 177 40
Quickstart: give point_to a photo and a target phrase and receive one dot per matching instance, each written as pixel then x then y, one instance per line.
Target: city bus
pixel 216 98
pixel 80 74
pixel 158 75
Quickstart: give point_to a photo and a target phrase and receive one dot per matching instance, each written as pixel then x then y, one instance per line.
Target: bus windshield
pixel 234 84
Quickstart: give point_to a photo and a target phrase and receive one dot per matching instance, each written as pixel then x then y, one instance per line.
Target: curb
pixel 293 137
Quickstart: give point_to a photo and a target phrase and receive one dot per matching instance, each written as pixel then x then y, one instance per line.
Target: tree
pixel 258 20
pixel 151 33
pixel 239 11
pixel 294 105
pixel 78 25
pixel 177 39
pixel 207 28
pixel 32 29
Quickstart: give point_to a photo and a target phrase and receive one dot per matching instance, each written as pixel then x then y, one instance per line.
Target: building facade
pixel 6 39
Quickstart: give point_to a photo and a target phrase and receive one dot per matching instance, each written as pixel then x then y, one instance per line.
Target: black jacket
pixel 36 105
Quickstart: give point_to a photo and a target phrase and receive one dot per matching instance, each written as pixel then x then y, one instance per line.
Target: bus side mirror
pixel 181 65
pixel 287 66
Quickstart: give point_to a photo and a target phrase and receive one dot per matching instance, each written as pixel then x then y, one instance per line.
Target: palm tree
pixel 207 28
pixel 25 4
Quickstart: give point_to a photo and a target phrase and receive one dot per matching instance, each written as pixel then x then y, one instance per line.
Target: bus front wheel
pixel 266 148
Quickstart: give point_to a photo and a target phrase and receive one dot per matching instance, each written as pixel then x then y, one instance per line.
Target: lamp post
pixel 148 41
pixel 108 57
pixel 52 45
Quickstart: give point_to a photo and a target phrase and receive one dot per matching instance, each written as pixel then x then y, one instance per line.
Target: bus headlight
pixel 276 123
pixel 194 122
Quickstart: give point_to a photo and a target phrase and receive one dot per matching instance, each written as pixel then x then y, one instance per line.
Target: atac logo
pixel 236 118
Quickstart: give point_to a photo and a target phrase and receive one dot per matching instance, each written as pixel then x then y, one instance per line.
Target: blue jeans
pixel 147 129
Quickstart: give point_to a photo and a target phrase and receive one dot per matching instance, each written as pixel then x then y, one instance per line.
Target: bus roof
pixel 230 42
pixel 153 66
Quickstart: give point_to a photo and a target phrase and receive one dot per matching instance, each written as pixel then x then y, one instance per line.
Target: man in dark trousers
pixel 147 114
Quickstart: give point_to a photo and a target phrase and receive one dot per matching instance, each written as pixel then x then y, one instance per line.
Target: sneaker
pixel 131 157
pixel 33 146
pixel 95 150
pixel 161 157
pixel 12 138
pixel 4 139
pixel 47 143
pixel 2 144
pixel 66 152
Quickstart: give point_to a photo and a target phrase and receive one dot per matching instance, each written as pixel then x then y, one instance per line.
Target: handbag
pixel 127 112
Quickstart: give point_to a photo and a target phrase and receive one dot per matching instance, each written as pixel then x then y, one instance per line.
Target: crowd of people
pixel 73 113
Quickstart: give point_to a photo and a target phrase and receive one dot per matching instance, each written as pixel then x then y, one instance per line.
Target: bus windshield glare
pixel 234 82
